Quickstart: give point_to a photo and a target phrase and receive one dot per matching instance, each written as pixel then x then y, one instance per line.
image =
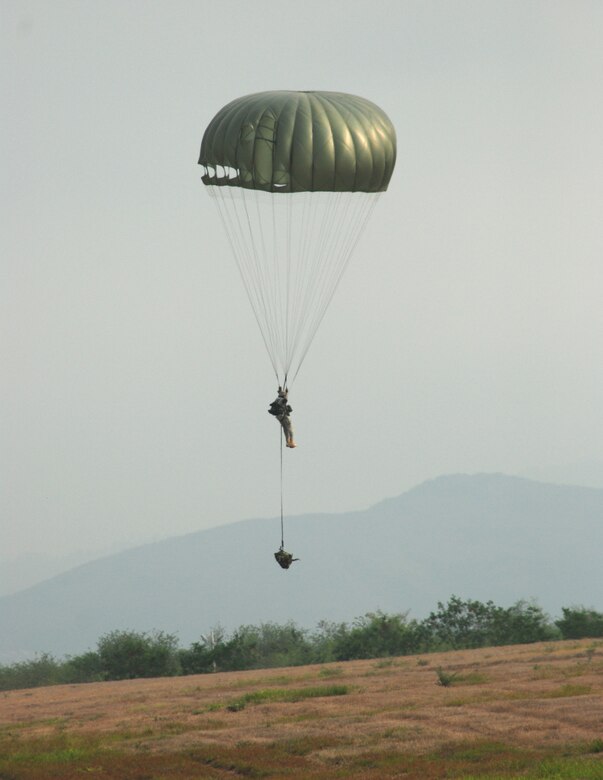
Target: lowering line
pixel 283 558
pixel 282 522
pixel 280 435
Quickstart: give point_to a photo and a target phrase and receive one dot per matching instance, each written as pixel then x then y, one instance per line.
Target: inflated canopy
pixel 332 154
pixel 300 142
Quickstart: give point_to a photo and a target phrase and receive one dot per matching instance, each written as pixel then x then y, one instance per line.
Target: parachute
pixel 295 177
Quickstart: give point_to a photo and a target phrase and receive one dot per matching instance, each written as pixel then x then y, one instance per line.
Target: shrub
pixel 523 623
pixel 200 657
pixel 42 670
pixel 128 654
pixel 460 624
pixel 377 635
pixel 579 622
pixel 467 624
pixel 82 668
pixel 445 678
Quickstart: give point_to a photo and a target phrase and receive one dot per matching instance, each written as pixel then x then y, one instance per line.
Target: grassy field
pixel 533 711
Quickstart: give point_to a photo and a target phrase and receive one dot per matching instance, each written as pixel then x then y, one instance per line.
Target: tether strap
pixel 282 525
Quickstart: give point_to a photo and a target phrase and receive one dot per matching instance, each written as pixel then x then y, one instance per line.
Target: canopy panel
pixel 300 142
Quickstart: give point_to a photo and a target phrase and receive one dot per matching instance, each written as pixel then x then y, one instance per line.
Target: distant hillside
pixel 481 536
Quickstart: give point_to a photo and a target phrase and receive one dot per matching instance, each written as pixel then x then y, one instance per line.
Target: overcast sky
pixel 466 335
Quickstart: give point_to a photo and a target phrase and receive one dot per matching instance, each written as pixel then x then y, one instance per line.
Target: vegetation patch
pixel 457 760
pixel 58 748
pixel 446 679
pixel 385 663
pixel 271 695
pixel 567 690
pixel 564 691
pixel 568 769
pixel 9 728
pixel 330 671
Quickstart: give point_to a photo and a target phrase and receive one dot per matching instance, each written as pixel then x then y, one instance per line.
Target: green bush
pixel 466 624
pixel 128 654
pixel 580 622
pixel 523 623
pixel 445 678
pixel 42 670
pixel 82 668
pixel 377 635
pixel 200 657
pixel 264 646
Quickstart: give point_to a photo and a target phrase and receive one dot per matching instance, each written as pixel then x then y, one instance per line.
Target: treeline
pixel 456 625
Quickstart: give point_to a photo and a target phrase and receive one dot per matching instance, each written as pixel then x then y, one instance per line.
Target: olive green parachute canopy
pixel 300 142
pixel 333 154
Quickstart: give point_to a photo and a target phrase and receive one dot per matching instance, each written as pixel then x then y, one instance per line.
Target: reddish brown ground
pixel 539 698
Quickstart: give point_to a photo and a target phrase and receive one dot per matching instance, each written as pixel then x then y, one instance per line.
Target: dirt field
pixel 524 711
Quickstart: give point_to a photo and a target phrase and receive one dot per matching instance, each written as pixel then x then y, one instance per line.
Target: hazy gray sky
pixel 466 335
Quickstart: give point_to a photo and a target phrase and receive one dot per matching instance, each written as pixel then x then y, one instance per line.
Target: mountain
pixel 484 536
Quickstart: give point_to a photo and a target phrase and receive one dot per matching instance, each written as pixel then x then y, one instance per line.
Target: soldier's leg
pixel 288 428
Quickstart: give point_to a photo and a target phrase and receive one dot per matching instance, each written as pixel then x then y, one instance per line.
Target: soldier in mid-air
pixel 281 410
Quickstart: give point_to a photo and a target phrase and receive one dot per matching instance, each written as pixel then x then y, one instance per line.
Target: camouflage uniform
pixel 284 559
pixel 281 410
